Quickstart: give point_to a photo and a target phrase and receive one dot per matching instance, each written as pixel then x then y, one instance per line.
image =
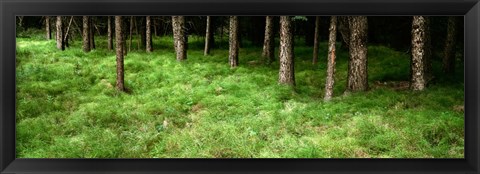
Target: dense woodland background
pixel 228 86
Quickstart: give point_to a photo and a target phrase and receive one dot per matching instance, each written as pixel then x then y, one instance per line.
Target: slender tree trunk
pixel 208 29
pixel 178 25
pixel 66 36
pixel 110 35
pixel 269 41
pixel 149 34
pixel 332 39
pixel 344 29
pixel 357 67
pixel 86 34
pixel 449 51
pixel 287 64
pixel 47 27
pixel 316 39
pixel 131 32
pixel 91 33
pixel 420 53
pixel 233 42
pixel 155 26
pixel 119 51
pixel 59 37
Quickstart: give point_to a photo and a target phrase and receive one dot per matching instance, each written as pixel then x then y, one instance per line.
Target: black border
pixel 11 8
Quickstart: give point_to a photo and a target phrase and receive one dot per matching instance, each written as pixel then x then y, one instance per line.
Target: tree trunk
pixel 119 41
pixel 110 35
pixel 91 33
pixel 59 35
pixel 208 29
pixel 332 39
pixel 316 39
pixel 233 42
pixel 178 25
pixel 287 72
pixel 269 41
pixel 357 66
pixel 149 34
pixel 86 34
pixel 420 53
pixel 344 29
pixel 449 51
pixel 47 27
pixel 131 32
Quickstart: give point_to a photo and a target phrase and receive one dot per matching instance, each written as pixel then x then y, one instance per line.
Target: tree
pixel 316 39
pixel 357 65
pixel 110 34
pixel 208 37
pixel 344 29
pixel 269 41
pixel 233 42
pixel 179 37
pixel 449 51
pixel 59 35
pixel 148 34
pixel 47 27
pixel 332 39
pixel 119 41
pixel 91 33
pixel 287 72
pixel 86 34
pixel 420 53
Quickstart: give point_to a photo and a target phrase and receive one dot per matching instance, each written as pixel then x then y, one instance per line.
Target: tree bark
pixel 332 39
pixel 208 29
pixel 269 41
pixel 287 72
pixel 316 39
pixel 149 34
pixel 91 33
pixel 47 27
pixel 86 34
pixel 130 33
pixel 449 51
pixel 357 66
pixel 179 37
pixel 59 35
pixel 344 29
pixel 233 42
pixel 420 53
pixel 119 41
pixel 110 35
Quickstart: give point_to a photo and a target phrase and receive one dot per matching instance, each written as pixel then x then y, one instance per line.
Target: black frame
pixel 10 8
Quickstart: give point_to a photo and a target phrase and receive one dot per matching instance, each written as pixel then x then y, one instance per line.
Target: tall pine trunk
pixel 47 28
pixel 233 42
pixel 86 34
pixel 332 39
pixel 91 33
pixel 208 38
pixel 420 53
pixel 149 34
pixel 316 39
pixel 449 51
pixel 59 35
pixel 269 41
pixel 286 58
pixel 179 37
pixel 110 35
pixel 119 41
pixel 357 65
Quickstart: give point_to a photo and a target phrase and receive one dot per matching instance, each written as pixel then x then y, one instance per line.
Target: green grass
pixel 67 107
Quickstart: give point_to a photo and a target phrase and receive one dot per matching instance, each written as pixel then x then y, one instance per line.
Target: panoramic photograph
pixel 240 87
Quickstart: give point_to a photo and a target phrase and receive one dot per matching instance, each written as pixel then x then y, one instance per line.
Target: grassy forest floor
pixel 67 106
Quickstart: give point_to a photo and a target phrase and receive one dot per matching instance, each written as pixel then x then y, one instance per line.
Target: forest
pixel 239 87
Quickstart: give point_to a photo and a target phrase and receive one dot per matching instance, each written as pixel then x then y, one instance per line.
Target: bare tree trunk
pixel 47 27
pixel 91 33
pixel 119 51
pixel 233 42
pixel 155 26
pixel 269 41
pixel 208 28
pixel 131 32
pixel 287 64
pixel 344 29
pixel 149 34
pixel 449 51
pixel 316 41
pixel 110 35
pixel 65 38
pixel 332 39
pixel 86 34
pixel 179 37
pixel 357 66
pixel 59 35
pixel 420 53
